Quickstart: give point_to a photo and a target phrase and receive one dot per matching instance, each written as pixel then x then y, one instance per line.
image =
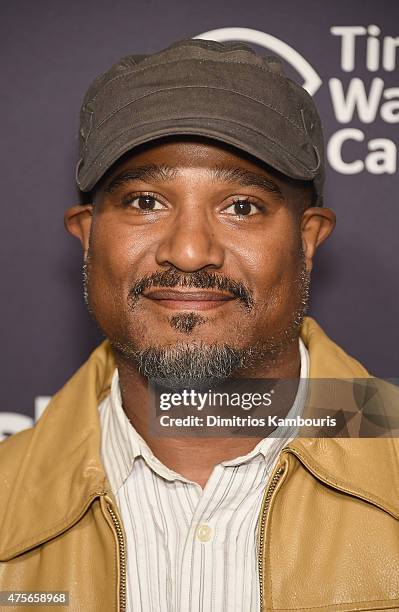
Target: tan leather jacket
pixel 329 525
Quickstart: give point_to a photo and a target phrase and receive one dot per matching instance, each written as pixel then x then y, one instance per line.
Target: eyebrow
pixel 246 178
pixel 146 173
pixel 164 173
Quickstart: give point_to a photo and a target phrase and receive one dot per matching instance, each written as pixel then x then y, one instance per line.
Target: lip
pixel 188 300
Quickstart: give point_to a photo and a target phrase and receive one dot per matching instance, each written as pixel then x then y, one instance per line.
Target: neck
pixel 194 458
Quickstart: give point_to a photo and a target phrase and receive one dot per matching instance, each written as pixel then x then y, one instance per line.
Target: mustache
pixel 200 279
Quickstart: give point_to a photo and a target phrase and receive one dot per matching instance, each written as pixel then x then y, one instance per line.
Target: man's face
pixel 195 261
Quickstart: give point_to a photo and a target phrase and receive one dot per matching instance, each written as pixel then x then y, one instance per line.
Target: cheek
pixel 107 264
pixel 279 294
pixel 116 252
pixel 270 261
pixel 111 267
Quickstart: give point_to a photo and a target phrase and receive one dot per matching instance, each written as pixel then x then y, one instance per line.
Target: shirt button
pixel 204 533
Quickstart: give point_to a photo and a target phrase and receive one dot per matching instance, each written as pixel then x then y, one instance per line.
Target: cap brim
pixel 241 137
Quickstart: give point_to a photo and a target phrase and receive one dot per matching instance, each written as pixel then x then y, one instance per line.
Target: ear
pixel 77 221
pixel 316 225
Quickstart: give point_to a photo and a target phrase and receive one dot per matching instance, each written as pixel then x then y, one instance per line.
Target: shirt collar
pixel 122 444
pixel 282 434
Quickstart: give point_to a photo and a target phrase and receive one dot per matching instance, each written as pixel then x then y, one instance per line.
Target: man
pixel 203 166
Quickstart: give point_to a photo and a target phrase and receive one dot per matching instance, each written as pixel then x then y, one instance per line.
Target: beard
pixel 197 364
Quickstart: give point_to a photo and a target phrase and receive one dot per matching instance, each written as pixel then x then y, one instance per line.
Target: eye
pixel 242 208
pixel 144 202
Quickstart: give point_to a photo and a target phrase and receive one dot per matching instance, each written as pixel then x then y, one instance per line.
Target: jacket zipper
pixel 265 508
pixel 122 559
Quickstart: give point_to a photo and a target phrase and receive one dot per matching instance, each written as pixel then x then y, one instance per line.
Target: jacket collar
pixel 364 467
pixel 60 470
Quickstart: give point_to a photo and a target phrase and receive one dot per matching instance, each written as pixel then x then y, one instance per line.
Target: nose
pixel 190 244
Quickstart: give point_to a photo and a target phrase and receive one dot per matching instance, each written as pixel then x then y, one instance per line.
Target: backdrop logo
pixel 369 104
pixel 311 80
pixel 372 103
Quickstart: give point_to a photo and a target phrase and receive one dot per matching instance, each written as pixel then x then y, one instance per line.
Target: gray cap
pixel 224 91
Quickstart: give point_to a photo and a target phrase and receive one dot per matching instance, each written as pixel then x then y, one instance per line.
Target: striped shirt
pixel 189 549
